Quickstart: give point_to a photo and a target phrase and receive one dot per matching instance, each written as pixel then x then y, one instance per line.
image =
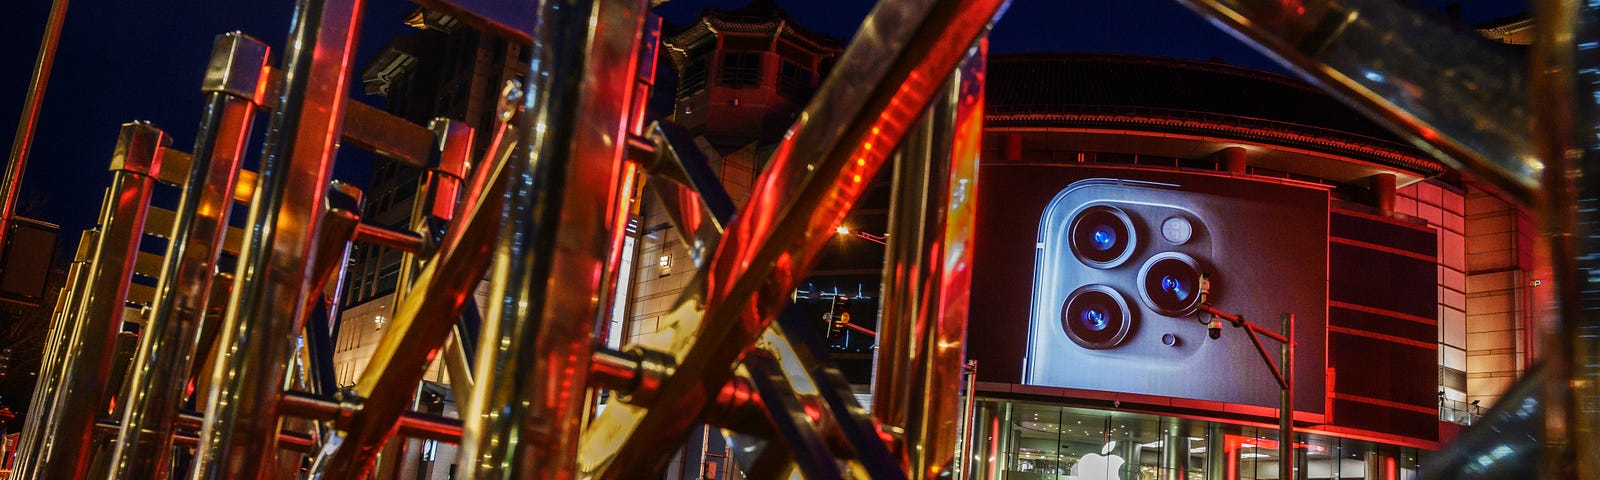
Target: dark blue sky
pixel 121 61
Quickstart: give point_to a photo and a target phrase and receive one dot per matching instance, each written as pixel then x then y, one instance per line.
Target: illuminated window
pixel 666 265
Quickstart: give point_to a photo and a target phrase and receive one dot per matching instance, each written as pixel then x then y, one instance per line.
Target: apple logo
pixel 1101 466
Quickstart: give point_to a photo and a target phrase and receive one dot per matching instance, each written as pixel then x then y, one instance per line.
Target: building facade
pixel 1421 281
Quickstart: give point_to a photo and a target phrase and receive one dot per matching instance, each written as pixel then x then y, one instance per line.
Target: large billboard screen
pixel 1092 278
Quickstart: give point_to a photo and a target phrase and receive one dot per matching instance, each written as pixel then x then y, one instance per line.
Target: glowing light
pixel 842 230
pixel 856 179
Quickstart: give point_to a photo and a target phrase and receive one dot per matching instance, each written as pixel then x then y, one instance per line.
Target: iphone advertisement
pixel 1093 278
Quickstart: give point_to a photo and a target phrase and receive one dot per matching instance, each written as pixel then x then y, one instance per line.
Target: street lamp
pixel 1283 376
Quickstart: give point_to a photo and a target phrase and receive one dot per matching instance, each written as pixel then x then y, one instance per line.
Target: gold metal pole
pixel 67 438
pixel 1566 117
pixel 916 389
pixel 168 338
pixel 532 369
pixel 274 278
pixel 22 143
pixel 62 324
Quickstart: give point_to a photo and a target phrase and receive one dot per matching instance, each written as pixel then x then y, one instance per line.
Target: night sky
pixel 121 61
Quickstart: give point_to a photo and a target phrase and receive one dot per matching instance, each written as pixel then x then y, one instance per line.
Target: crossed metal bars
pixel 539 203
pixel 542 207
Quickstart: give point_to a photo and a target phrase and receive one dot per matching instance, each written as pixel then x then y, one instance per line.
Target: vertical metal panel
pixel 927 274
pixel 239 438
pixel 533 358
pixel 84 382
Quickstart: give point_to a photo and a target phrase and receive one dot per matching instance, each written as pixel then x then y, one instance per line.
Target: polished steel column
pixel 168 339
pixel 66 444
pixel 537 339
pixel 62 324
pixel 922 340
pixel 22 143
pixel 240 435
pixel 1566 122
pixel 883 81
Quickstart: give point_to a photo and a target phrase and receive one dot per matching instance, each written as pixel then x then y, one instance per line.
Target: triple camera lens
pixel 1096 317
pixel 1170 284
pixel 1102 236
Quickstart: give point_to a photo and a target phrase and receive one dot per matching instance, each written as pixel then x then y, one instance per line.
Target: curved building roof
pixel 1183 96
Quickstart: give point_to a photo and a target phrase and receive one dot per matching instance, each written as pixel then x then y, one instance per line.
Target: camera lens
pixel 1102 236
pixel 1170 284
pixel 1095 316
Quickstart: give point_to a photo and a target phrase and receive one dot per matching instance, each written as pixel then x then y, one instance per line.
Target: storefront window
pixel 1028 441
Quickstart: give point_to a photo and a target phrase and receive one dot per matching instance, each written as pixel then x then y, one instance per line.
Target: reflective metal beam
pixel 693 196
pixel 380 235
pixel 1513 430
pixel 916 387
pixel 533 359
pixel 1566 122
pixel 84 381
pixel 62 324
pixel 383 133
pixel 22 143
pixel 796 337
pixel 270 293
pixel 1435 84
pixel 159 222
pixel 795 429
pixel 421 323
pixel 168 339
pixel 894 64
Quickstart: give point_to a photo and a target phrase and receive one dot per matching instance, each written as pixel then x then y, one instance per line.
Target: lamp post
pixel 1284 376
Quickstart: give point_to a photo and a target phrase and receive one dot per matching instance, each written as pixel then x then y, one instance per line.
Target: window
pixel 794 81
pixel 740 69
pixel 694 76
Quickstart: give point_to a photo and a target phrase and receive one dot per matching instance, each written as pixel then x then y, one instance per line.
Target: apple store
pixel 1031 441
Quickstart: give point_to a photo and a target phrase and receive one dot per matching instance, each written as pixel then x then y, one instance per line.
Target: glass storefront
pixel 1030 441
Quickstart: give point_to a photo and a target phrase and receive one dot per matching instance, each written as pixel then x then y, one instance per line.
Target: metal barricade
pixel 540 216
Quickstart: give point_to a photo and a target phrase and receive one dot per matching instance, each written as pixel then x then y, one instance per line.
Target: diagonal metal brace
pixel 854 422
pixel 693 196
pixel 789 416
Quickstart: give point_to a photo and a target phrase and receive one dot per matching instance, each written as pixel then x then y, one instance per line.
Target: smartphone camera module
pixel 1102 236
pixel 1096 317
pixel 1170 284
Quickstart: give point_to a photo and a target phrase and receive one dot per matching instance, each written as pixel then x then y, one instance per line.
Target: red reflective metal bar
pixel 274 279
pixel 22 143
pixel 532 374
pixel 388 237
